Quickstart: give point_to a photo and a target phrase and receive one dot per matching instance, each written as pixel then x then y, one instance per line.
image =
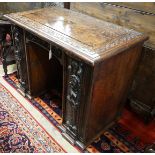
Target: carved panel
pixel 19 51
pixel 75 75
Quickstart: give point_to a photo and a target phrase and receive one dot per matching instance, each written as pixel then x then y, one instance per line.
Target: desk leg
pixel 75 101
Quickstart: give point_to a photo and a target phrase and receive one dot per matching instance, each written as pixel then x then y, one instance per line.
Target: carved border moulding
pixel 56 35
pixel 120 35
pixel 120 40
pixel 44 44
pixel 36 40
pixel 75 74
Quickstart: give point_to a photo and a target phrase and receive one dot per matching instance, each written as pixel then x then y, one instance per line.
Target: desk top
pixel 81 35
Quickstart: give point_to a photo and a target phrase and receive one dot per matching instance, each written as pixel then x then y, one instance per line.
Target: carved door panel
pixel 20 56
pixel 77 86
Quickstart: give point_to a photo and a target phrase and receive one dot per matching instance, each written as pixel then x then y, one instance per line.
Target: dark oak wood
pixel 43 73
pixel 20 56
pixel 38 69
pixel 62 27
pixel 133 15
pixel 111 81
pixel 95 59
pixel 67 5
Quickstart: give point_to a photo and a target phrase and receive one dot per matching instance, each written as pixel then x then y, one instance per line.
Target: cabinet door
pixel 20 56
pixel 77 90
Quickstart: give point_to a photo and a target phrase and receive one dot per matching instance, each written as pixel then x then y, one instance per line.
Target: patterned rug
pixel 19 131
pixel 116 139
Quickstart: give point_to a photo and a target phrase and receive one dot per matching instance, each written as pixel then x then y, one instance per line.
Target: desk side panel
pixel 111 84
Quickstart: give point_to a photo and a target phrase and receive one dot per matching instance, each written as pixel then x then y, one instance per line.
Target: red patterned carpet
pixel 145 132
pixel 19 131
pixel 130 134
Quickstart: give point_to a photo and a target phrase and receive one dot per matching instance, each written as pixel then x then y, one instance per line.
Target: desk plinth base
pixel 70 139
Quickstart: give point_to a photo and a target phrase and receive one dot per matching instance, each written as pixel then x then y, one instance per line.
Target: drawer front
pixel 77 85
pixel 20 56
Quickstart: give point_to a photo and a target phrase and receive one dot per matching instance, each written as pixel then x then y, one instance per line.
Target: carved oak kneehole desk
pixel 91 64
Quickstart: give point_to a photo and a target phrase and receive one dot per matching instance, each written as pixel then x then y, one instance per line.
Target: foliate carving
pixel 75 73
pixel 17 47
pixel 19 55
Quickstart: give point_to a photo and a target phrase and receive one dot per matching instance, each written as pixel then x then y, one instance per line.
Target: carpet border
pixel 39 112
pixel 31 115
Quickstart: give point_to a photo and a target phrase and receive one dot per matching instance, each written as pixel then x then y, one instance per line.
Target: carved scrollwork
pixel 75 72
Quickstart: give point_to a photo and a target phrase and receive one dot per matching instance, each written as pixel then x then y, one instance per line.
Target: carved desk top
pixel 81 35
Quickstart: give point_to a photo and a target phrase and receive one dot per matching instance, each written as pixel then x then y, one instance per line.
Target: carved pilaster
pixel 19 51
pixel 75 74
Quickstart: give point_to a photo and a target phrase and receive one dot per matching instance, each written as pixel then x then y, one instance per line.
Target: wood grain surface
pixel 125 17
pixel 90 38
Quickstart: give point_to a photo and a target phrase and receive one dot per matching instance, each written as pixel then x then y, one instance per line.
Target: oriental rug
pixel 19 131
pixel 121 137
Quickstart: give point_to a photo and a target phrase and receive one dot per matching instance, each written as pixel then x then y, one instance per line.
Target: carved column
pixel 76 98
pixel 75 73
pixel 19 51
